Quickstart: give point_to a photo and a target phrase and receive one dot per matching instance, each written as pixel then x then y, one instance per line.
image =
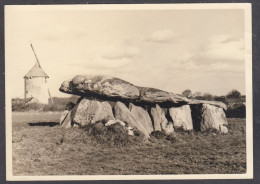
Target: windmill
pixel 35 83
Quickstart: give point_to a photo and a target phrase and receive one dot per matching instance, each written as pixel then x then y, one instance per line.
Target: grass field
pixel 41 147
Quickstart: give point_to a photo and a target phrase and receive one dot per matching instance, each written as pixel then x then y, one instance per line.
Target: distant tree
pixel 187 93
pixel 220 98
pixel 233 94
pixel 196 95
pixel 208 96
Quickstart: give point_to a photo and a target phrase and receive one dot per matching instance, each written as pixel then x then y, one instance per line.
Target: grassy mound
pixel 114 135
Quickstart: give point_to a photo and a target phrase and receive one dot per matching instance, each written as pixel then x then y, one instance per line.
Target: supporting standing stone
pixel 123 113
pixel 212 117
pixel 92 111
pixel 181 117
pixel 142 117
pixel 160 121
pixel 156 113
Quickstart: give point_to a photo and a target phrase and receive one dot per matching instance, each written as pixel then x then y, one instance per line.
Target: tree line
pixel 234 96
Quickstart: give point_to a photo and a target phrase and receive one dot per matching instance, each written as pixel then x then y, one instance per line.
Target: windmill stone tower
pixel 35 83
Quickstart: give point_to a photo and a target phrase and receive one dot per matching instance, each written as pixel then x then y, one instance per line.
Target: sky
pixel 174 49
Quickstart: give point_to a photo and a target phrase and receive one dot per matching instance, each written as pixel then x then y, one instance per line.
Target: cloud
pixel 220 49
pixel 161 36
pixel 121 53
pixel 231 39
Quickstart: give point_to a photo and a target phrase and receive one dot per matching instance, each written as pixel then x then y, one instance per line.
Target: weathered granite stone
pixel 156 96
pixel 123 113
pixel 156 115
pixel 212 117
pixel 168 128
pixel 130 131
pixel 142 117
pixel 215 103
pixel 100 85
pixel 111 88
pixel 160 121
pixel 114 121
pixel 92 111
pixel 114 89
pixel 223 129
pixel 181 117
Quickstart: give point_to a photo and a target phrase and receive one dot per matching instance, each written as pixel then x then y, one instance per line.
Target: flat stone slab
pixel 115 89
pixel 102 86
pixel 215 103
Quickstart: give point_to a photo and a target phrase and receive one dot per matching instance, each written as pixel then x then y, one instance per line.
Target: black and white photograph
pixel 102 92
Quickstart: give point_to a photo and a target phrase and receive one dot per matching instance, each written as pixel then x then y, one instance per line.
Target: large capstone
pixel 157 96
pixel 115 89
pixel 214 103
pixel 111 88
pixel 100 86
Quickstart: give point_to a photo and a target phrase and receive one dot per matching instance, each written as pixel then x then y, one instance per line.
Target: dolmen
pixel 112 100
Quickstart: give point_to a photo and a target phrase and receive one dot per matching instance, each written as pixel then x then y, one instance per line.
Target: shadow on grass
pixel 50 124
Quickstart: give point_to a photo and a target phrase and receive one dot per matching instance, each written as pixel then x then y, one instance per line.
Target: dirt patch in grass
pixel 46 150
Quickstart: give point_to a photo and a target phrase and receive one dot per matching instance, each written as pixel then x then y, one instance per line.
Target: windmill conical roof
pixel 36 71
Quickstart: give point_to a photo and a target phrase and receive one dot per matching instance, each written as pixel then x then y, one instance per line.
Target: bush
pixel 221 99
pixel 54 107
pixel 17 104
pixel 236 110
pixel 23 107
pixel 65 101
pixel 233 94
pixel 205 96
pixel 187 93
pixel 34 106
pixel 20 105
pixel 59 104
